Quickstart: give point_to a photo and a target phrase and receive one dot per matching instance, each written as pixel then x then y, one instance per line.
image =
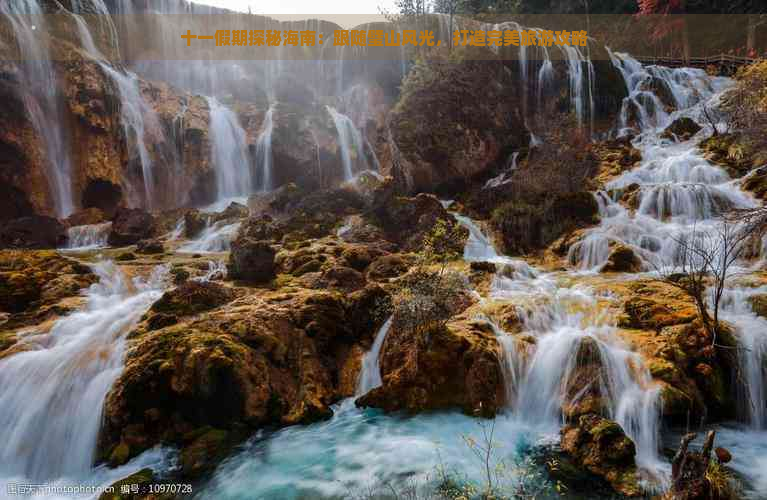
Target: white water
pixel 350 143
pixel 264 158
pixel 679 191
pixel 137 119
pixel 370 371
pixel 88 237
pixel 562 322
pixel 40 96
pixel 51 395
pixel 216 237
pixel 229 152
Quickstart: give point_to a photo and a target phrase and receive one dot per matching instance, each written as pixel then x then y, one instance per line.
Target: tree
pixel 703 258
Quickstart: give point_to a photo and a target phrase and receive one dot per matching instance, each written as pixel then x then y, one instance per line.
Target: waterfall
pixel 134 113
pixel 536 378
pixel 216 237
pixel 264 152
pixel 349 141
pixel 41 100
pixel 505 176
pixel 752 357
pixel 228 152
pixel 88 237
pixel 679 191
pixel 53 393
pixel 370 372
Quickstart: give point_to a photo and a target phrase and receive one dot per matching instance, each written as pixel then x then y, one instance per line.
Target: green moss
pixel 143 477
pixel 208 446
pixel 605 428
pixel 663 370
pixel 120 455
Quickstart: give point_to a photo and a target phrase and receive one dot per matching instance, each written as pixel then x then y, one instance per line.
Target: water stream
pixel 229 152
pixel 53 392
pixel 42 101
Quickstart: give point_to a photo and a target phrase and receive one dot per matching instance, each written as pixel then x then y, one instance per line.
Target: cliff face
pixel 135 142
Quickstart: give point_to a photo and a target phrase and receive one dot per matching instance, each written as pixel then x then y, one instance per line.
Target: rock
pixel 125 256
pixel 194 223
pixel 389 266
pixel 602 447
pixel 430 150
pixel 143 479
pixel 407 220
pixel 655 305
pixel 206 448
pixel 34 232
pixel 262 228
pixel 150 247
pixel 522 227
pixel 192 297
pixel 455 367
pixel 723 455
pixel 119 455
pixel 270 358
pixel 622 259
pixel 86 216
pixel 482 267
pixel 660 88
pixel 682 129
pixel 33 282
pixel 357 257
pixel 179 274
pixel 756 183
pixel 233 212
pixel 251 260
pixel 130 226
pixel 759 304
pixel 336 277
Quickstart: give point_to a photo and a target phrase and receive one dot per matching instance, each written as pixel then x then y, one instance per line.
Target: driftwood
pixel 688 470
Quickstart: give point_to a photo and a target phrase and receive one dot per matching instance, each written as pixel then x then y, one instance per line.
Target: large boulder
pixel 35 231
pixel 445 128
pixel 602 447
pixel 622 259
pixel 522 227
pixel 407 220
pixel 681 129
pixel 266 359
pixel 456 366
pixel 251 260
pixel 130 226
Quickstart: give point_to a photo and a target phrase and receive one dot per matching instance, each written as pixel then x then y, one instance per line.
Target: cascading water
pixel 229 152
pixel 134 115
pixel 678 190
pixel 350 142
pixel 216 237
pixel 566 321
pixel 88 237
pixel 40 96
pixel 370 372
pixel 53 392
pixel 264 152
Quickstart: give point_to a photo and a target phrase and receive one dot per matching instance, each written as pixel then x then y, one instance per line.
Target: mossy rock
pixel 125 256
pixel 119 455
pixel 142 478
pixel 207 447
pixel 192 297
pixel 759 304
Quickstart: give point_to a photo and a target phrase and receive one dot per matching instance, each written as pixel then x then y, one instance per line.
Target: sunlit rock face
pixel 138 133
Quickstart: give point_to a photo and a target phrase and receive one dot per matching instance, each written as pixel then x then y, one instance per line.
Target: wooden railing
pixel 726 63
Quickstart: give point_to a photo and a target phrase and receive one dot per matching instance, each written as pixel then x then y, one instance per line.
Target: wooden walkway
pixel 727 65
